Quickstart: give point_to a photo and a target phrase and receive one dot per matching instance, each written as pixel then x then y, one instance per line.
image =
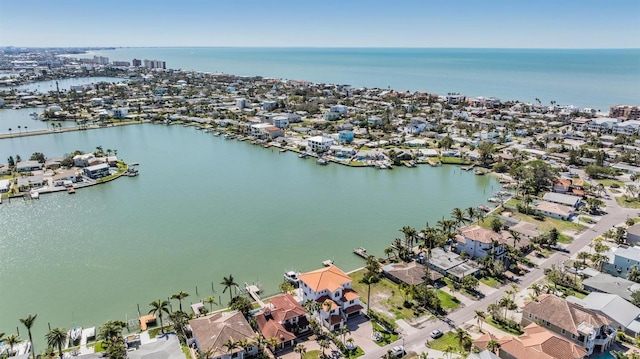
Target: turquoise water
pixel 201 209
pixel 586 78
pixel 606 355
pixel 11 119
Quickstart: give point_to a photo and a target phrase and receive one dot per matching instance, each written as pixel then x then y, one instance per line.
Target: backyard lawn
pixel 447 340
pixel 548 223
pixel 386 296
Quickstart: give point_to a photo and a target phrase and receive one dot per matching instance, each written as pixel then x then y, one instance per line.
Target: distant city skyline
pixel 588 24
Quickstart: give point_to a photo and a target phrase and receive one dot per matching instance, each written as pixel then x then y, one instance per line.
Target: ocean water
pixel 585 78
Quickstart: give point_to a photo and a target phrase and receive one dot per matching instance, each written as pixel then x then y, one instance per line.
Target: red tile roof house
pixel 331 288
pixel 536 343
pixel 585 327
pixel 282 319
pixel 213 331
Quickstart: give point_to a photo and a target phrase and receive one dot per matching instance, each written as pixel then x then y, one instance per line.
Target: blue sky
pixel 328 23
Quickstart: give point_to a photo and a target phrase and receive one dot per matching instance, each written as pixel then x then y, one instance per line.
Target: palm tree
pixel 300 349
pixel 463 338
pixel 157 307
pixel 344 330
pixel 12 340
pixel 583 256
pixel 312 306
pixel 57 337
pixel 228 283
pixel 20 129
pixel 10 132
pixel 211 301
pixel 458 215
pixel 368 280
pixel 180 295
pixel 493 346
pixel 324 344
pixel 516 237
pixel 480 317
pixel 409 236
pixel 28 323
pixel 388 252
pixel 230 344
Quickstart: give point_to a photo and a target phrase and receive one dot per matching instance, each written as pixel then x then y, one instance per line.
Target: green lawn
pixel 353 353
pixel 490 281
pixel 448 302
pixel 549 223
pixel 314 354
pixel 98 348
pixel 452 160
pixel 385 338
pixel 185 350
pixel 608 182
pixel 623 201
pixel 447 340
pixel 564 239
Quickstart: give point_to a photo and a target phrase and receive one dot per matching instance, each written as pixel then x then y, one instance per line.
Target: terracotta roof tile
pixel 330 278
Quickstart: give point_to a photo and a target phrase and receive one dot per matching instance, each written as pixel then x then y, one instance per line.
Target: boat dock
pixel 254 291
pixel 361 252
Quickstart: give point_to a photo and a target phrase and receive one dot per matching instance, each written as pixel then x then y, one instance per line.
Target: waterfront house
pixel 96 171
pixel 412 273
pixel 4 170
pixel 450 264
pixel 621 259
pixel 281 121
pixel 5 185
pixel 64 177
pixel 555 210
pixel 342 151
pixel 28 166
pixel 212 332
pixel 319 143
pixel 83 160
pixel 331 288
pixel 258 130
pixel 625 316
pixel 564 199
pixel 479 242
pixel 535 343
pixel 273 132
pixel 120 112
pixel 283 319
pixel 587 328
pixel 29 182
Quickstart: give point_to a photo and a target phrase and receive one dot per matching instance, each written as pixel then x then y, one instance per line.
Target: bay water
pixel 201 209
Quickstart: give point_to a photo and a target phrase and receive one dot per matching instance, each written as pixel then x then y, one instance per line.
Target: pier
pixel 254 290
pixel 361 252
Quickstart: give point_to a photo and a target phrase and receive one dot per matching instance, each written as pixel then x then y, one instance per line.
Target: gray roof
pixel 607 283
pixel 635 229
pixel 632 253
pixel 612 306
pixel 561 198
pixel 452 263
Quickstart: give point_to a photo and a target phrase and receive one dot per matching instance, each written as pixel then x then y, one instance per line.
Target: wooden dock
pixel 361 252
pixel 254 291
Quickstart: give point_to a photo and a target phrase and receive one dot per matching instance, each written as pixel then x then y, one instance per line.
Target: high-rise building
pixel 154 64
pixel 101 60
pixel 625 112
pixel 136 62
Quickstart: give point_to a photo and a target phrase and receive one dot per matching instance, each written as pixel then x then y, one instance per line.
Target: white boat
pixel 76 333
pixel 35 195
pixel 493 200
pixel 292 277
pixel 322 161
pixel 327 263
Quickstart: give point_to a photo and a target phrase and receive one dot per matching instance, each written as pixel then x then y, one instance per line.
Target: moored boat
pixel 292 277
pixel 322 162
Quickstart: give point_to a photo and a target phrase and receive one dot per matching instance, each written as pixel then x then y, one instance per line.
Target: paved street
pixel 415 340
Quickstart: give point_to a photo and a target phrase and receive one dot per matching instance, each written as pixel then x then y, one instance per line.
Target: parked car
pixel 398 351
pixel 436 334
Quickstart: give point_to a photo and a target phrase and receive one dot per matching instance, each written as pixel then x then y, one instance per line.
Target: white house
pixel 341 109
pixel 555 210
pixel 331 288
pixel 602 124
pixel 5 185
pixel 319 143
pixel 479 242
pixel 121 112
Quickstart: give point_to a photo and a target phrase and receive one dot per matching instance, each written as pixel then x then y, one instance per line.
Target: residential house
pixel 374 121
pixel 562 185
pixel 412 273
pixel 450 264
pixel 64 177
pixel 630 127
pixel 28 166
pixel 621 259
pixel 258 129
pixel 485 354
pixel 96 171
pixel 341 109
pixel 555 210
pixel 83 160
pixel 319 143
pixel 269 105
pixel 345 136
pixel 564 199
pixel 479 242
pixel 535 343
pixel 4 170
pixel 281 121
pixel 210 334
pixel 342 151
pixel 602 124
pixel 283 319
pixel 331 116
pixel 121 112
pixel 633 234
pixel 5 185
pixel 29 182
pixel 273 132
pixel 587 328
pixel 331 288
pixel 606 283
pixel 625 316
